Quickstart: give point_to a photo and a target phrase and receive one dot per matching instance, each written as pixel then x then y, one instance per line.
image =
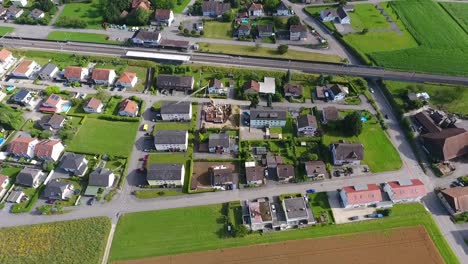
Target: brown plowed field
pixel 404 245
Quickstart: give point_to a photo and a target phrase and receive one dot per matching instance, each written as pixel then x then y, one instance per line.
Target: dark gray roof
pixel 267 114
pixel 331 113
pixel 165 80
pixel 72 161
pixel 315 167
pixel 27 176
pixel 349 151
pixel 55 187
pixel 281 6
pixel 48 69
pixel 165 172
pixel 36 13
pixel 298 28
pixel 295 208
pixel 306 120
pixel 265 28
pixel 20 95
pixel 100 177
pixel 218 140
pixel 254 173
pixel 216 7
pixel 285 171
pixel 52 120
pixel 336 89
pixel 175 108
pixel 341 12
pixel 147 35
pixel 428 124
pixel 170 137
pixel 221 176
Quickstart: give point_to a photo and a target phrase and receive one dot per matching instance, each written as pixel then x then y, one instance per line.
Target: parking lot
pixel 342 215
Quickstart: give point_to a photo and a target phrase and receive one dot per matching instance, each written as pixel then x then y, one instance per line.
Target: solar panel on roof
pixel 360 187
pixel 405 182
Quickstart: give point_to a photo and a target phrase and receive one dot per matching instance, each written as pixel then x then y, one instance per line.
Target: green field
pixel 379 153
pixel 266 52
pixel 367 16
pixel 190 229
pixel 450 98
pixel 380 41
pixel 5 30
pixel 77 241
pixel 218 30
pixel 81 37
pixel 459 12
pixel 88 12
pixel 178 9
pixel 104 137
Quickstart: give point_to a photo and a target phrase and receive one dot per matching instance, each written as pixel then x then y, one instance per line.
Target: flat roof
pixel 159 56
pixel 295 208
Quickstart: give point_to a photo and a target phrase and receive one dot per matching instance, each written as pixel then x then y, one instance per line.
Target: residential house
pixel 29 177
pixel 347 153
pixel 171 140
pixel 297 32
pixel 254 174
pixel 268 86
pixel 51 122
pixel 316 169
pixel 93 105
pixel 265 117
pixel 265 31
pixel 127 80
pixel 360 195
pixel 293 90
pixel 455 199
pixel 103 76
pixel 282 9
pixel 22 97
pixel 213 8
pixel 36 14
pixel 75 164
pixel 4 180
pixel 221 176
pixel 53 104
pixel 306 125
pixel 219 143
pixel 145 4
pixel 252 87
pixel 14 12
pixel 2 10
pixel 217 87
pixel 128 108
pixel 338 15
pixel 76 74
pixel 163 17
pixel 297 212
pixel 174 82
pixel 260 150
pixel 426 123
pixel 19 3
pixel 16 196
pixel 273 161
pixel 255 9
pixel 57 190
pixel 23 147
pixel 6 59
pixel 101 177
pixel 447 144
pixel 337 92
pixel 146 38
pixel 330 113
pixel 176 111
pixel 48 149
pixel 260 214
pixel 321 93
pixel 182 45
pixel 243 31
pixel 285 172
pixel 241 18
pixel 48 72
pixel 403 191
pixel 25 69
pixel 166 174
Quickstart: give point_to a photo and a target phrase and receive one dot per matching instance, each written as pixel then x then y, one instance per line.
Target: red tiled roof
pixel 101 74
pixel 127 77
pixel 416 189
pixel 23 67
pixel 254 85
pixel 20 145
pixel 256 6
pixel 45 148
pixel 73 72
pixel 371 194
pixel 53 100
pixel 94 103
pixel 129 106
pixel 162 13
pixel 141 3
pixel 4 54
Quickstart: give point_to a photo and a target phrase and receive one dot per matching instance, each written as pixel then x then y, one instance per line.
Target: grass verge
pixel 80 37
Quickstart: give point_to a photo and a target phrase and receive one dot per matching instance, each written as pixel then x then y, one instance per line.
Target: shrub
pixel 118 118
pixel 282 49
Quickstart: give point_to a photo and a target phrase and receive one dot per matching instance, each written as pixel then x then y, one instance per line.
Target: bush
pixel 282 49
pixel 118 118
pixel 385 212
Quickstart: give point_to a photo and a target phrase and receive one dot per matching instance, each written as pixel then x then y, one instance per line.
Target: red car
pixel 50 201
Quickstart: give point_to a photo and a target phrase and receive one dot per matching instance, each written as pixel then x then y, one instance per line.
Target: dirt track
pixel 403 245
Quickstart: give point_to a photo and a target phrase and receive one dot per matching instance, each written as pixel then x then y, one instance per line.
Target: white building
pixel 166 174
pixel 360 195
pixel 25 69
pixel 171 140
pixel 174 111
pixel 347 153
pixel 260 118
pixel 404 191
pixel 21 3
pixel 127 80
pixel 6 59
pixel 103 76
pixel 49 149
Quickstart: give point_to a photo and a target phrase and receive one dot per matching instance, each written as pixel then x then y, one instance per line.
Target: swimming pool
pixel 10 88
pixel 2 140
pixel 363 118
pixel 245 20
pixel 66 107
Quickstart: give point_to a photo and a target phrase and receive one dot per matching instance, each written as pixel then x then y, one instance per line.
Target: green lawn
pixel 112 106
pixel 449 98
pixel 88 12
pixel 379 153
pixel 81 37
pixel 320 205
pixel 167 158
pixel 141 75
pixel 104 137
pixel 5 30
pixel 171 126
pixel 459 12
pixel 266 52
pixel 192 229
pixel 10 171
pixel 178 9
pixel 367 16
pixel 77 241
pixel 149 194
pixel 218 30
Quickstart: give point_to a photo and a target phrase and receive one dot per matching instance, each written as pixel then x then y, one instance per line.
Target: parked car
pixel 91 201
pixel 50 201
pixel 310 191
pixel 371 90
pixel 273 208
pixel 354 218
pixel 374 215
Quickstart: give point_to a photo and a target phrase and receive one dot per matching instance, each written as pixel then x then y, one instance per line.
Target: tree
pixel 364 30
pixel 111 9
pixel 277 97
pixel 288 76
pixel 52 90
pixel 103 95
pixel 186 31
pixel 342 2
pixel 48 165
pixel 254 100
pixel 163 4
pixel 138 18
pixel 308 156
pixel 277 22
pixel 66 133
pixel 228 16
pixel 235 3
pixel 294 20
pixel 282 49
pixel 45 134
pixel 353 124
pixel 45 5
pixel 270 5
pixel 202 32
pixel 240 231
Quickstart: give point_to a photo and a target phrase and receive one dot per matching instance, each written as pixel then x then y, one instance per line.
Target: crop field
pixel 77 241
pixel 459 12
pixel 400 245
pixel 192 229
pixel 367 16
